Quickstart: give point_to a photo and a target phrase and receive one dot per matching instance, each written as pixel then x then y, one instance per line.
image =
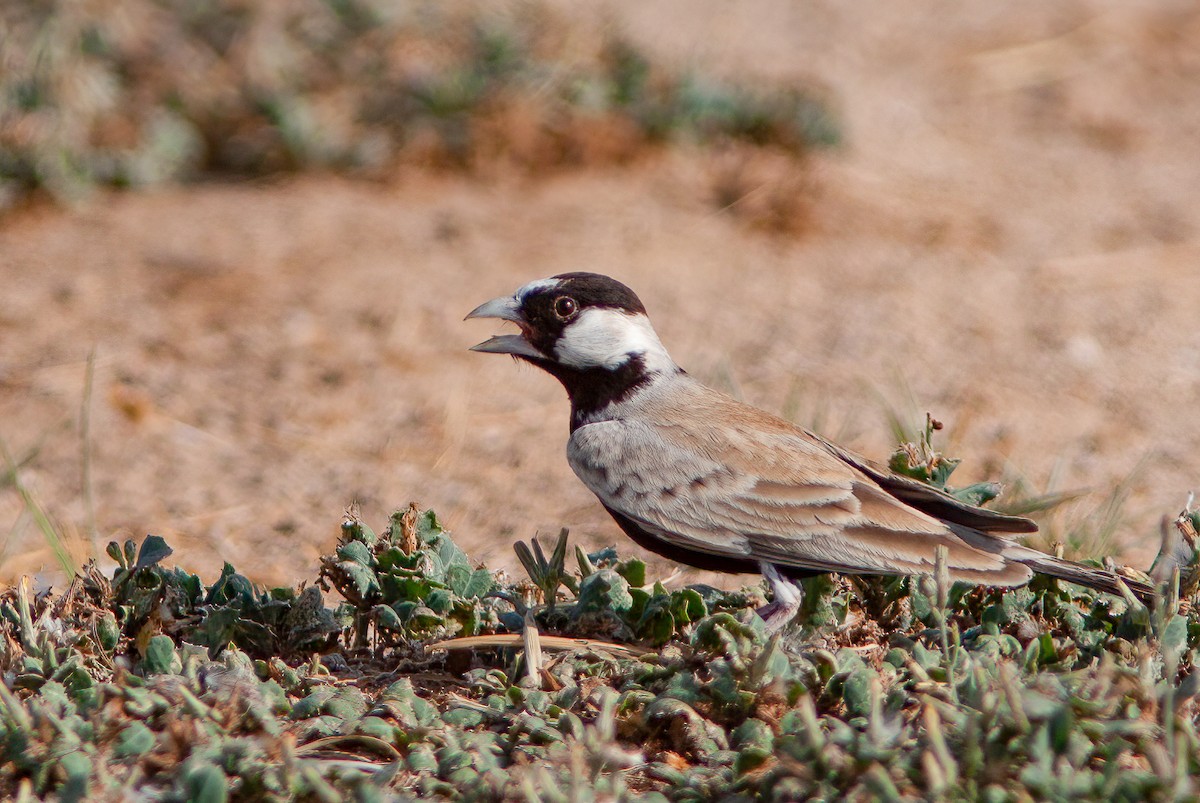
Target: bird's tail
pixel 1072 572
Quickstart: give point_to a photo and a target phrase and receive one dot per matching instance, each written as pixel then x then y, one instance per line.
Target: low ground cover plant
pixel 142 92
pixel 404 671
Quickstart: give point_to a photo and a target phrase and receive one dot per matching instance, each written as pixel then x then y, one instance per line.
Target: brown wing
pixel 752 486
pixel 930 500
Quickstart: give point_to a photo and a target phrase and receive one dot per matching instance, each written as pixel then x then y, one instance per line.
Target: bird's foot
pixel 785 603
pixel 776 615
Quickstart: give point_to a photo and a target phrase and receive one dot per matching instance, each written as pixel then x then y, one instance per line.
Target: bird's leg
pixel 785 598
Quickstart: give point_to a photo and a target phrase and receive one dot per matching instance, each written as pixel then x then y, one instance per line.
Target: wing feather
pixel 756 487
pixel 931 500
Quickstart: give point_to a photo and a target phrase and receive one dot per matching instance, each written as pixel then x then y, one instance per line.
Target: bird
pixel 705 480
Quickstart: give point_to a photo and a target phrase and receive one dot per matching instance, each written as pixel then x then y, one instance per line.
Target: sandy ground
pixel 1011 234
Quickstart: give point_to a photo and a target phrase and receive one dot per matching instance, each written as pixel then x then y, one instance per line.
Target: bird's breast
pixel 631 466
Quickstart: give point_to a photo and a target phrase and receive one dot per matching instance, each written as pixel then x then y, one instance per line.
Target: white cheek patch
pixel 605 338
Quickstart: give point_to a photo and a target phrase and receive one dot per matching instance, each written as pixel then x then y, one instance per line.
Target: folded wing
pixel 756 487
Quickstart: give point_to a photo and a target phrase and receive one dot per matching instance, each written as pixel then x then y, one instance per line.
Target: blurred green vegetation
pixel 426 682
pixel 139 92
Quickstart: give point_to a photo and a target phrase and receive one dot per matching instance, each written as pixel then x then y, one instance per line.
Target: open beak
pixel 506 309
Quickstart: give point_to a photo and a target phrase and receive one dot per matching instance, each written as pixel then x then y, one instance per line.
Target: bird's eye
pixel 565 307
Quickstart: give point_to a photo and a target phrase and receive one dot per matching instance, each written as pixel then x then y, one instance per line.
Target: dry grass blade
pixel 408 529
pixel 547 643
pixel 53 539
pixel 1024 506
pixel 531 641
pixel 458 701
pixel 1177 554
pixel 16 712
pixel 85 445
pixel 349 747
pixel 24 611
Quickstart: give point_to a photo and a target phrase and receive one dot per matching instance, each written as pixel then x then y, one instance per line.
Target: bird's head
pixel 580 321
pixel 588 330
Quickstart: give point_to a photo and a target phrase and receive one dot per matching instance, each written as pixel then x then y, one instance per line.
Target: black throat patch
pixel 593 389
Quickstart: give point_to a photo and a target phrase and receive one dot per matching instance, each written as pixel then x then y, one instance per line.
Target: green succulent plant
pixel 907 689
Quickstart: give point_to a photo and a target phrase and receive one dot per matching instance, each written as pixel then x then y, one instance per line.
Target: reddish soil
pixel 1011 231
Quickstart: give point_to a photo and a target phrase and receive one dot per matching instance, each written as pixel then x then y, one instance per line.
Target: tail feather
pixel 1099 579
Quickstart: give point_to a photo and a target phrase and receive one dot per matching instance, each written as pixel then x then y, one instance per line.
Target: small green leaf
pixel 439 600
pixel 160 654
pixel 899 463
pixel 978 494
pixel 347 703
pixel 77 767
pixel 311 705
pixel 942 470
pixel 755 743
pixel 603 557
pixel 404 589
pixel 660 627
pixel 1174 638
pixel 463 717
pixel 206 783
pixel 448 553
pixel 637 611
pixel 1047 652
pixel 570 725
pixel 108 632
pixel 358 552
pixel 230 586
pixel 1061 725
pixel 219 628
pixel 362 580
pixel 528 561
pixel 479 584
pixel 422 618
pixel 353 529
pixel 421 759
pixel 394 558
pixel 586 566
pixel 856 692
pixel 135 739
pixel 604 591
pixel 379 728
pixel 995 615
pixel 457 578
pixel 634 571
pixel 154 549
pixel 688 606
pixel 428 527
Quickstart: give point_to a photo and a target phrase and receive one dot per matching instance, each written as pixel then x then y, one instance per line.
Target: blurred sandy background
pixel 1009 233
